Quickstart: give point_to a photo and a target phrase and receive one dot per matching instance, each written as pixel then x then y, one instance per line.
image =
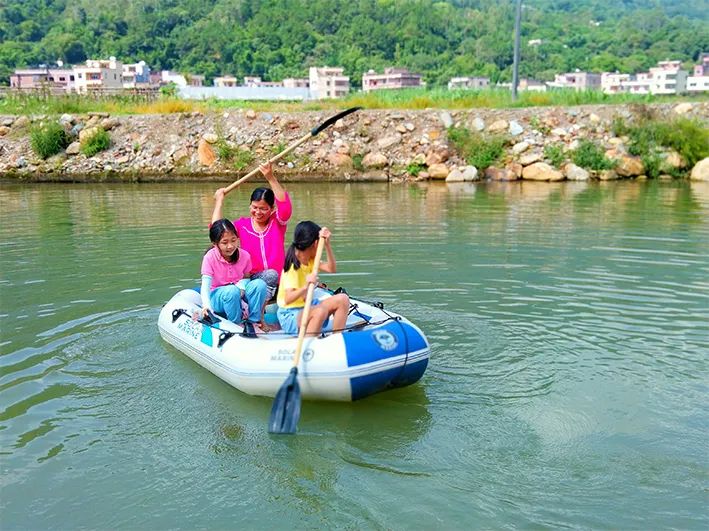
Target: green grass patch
pixel 48 139
pixel 242 158
pixel 357 161
pixel 478 150
pixel 591 156
pixel 414 168
pixel 555 154
pixel 96 143
pixel 650 136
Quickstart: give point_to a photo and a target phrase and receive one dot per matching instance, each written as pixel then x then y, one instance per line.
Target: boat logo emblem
pixel 385 339
pixel 308 354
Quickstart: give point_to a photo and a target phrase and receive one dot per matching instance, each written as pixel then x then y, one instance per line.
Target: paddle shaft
pixel 270 161
pixel 308 302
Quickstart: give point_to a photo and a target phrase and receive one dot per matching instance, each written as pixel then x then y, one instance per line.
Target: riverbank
pixel 535 143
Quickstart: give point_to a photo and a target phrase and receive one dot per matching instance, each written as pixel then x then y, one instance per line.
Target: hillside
pixel 281 38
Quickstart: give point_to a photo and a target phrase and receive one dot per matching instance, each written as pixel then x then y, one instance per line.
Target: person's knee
pixel 230 293
pixel 257 286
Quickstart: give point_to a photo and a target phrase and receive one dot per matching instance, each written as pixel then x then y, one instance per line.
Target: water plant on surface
pixel 482 152
pixel 590 156
pixel 96 143
pixel 48 139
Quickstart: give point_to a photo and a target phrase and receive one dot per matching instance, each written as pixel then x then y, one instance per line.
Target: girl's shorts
pixel 288 318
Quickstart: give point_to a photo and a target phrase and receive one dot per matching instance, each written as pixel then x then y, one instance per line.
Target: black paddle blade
pixel 327 123
pixel 285 411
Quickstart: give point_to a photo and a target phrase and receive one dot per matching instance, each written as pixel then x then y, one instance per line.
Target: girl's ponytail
pixel 306 234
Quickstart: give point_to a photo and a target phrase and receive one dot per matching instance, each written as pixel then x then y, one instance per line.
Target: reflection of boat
pixel 378 350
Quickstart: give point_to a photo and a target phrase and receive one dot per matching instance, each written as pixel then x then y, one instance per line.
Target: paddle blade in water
pixel 285 411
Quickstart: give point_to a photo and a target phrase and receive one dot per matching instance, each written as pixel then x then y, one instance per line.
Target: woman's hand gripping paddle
pixel 285 411
pixel 327 123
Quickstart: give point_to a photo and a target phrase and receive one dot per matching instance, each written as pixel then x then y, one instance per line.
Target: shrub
pixel 415 168
pixel 589 155
pixel 242 158
pixel 357 161
pixel 96 143
pixel 224 150
pixel 477 150
pixel 48 139
pixel 555 154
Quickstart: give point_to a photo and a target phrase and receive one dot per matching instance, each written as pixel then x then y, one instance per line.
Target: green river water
pixel 567 387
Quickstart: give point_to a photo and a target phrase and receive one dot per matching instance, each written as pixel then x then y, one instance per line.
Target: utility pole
pixel 515 64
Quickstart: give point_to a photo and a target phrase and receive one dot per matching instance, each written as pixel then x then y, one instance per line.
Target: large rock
pixel 575 173
pixel 374 160
pixel 629 166
pixel 87 133
pixel 205 153
pixel 700 172
pixel 683 108
pixel 541 171
pixel 389 141
pixel 531 158
pixel 438 171
pixel 340 160
pixel 455 176
pixel 498 126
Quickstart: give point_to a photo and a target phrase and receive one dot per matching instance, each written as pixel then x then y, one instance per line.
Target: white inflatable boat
pixel 378 350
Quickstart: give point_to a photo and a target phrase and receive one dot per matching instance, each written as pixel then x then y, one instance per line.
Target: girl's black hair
pixel 306 233
pixel 216 232
pixel 264 193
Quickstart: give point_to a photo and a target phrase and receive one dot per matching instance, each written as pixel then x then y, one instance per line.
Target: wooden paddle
pixel 327 123
pixel 285 411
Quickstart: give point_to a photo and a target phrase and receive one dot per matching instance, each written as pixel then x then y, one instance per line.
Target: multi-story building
pixel 392 78
pixel 296 82
pixel 168 76
pixel 28 78
pixel 612 82
pixel 699 80
pixel 468 83
pixel 225 81
pixel 135 75
pixel 328 82
pixel 668 78
pixel 256 81
pixel 194 80
pixel 98 75
pixel 577 81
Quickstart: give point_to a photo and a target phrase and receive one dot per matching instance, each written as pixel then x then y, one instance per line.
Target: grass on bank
pixel 437 98
pixel 47 139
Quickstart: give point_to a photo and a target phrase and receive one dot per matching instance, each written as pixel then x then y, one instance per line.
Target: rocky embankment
pixel 370 145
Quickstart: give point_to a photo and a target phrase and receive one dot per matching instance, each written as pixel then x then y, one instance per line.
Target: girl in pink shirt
pixel 225 282
pixel 263 232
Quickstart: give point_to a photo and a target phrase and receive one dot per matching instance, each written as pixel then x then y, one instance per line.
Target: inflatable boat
pixel 377 350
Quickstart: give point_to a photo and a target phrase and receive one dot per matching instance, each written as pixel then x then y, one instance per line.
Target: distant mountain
pixel 282 38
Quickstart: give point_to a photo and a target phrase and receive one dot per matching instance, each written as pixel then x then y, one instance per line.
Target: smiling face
pixel 227 244
pixel 260 211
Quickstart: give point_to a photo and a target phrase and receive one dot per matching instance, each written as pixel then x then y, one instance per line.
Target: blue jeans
pixel 226 300
pixel 288 319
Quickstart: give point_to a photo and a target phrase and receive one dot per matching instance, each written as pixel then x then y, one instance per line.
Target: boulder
pixel 700 172
pixel 530 158
pixel 607 175
pixel 541 171
pixel 4 130
pixel 74 148
pixel 211 138
pixel 455 176
pixel 374 160
pixel 438 171
pixel 470 173
pixel 205 153
pixel 683 108
pixel 498 126
pixel 389 141
pixel 340 160
pixel 575 173
pixel 629 166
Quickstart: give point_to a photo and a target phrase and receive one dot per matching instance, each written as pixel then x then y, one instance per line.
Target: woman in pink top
pixel 263 233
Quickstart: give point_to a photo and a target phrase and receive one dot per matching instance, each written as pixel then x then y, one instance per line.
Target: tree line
pixel 275 39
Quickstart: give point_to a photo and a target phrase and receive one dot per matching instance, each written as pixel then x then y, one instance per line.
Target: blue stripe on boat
pixel 366 346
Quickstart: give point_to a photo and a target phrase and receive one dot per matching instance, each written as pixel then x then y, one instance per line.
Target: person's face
pixel 227 244
pixel 260 211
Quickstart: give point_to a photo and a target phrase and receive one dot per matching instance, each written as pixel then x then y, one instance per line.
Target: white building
pixel 392 78
pixel 98 75
pixel 225 81
pixel 668 78
pixel 168 76
pixel 577 81
pixel 328 82
pixel 136 74
pixel 296 82
pixel 468 83
pixel 612 82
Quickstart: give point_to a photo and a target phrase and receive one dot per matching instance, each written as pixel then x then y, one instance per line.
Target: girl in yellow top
pixel 298 273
